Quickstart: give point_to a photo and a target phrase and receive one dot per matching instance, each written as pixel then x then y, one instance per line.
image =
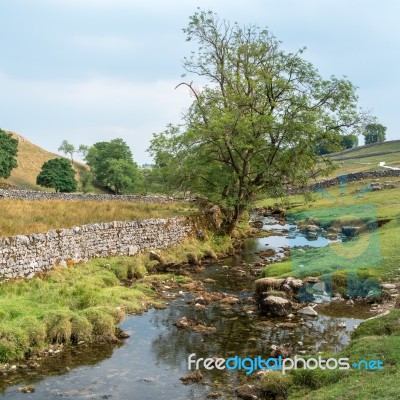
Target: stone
pixel 311 279
pixel 26 389
pixel 132 250
pixel 294 283
pixel 276 306
pixel 318 287
pixel 388 286
pixel 265 284
pixel 193 377
pixel 248 392
pixel 308 311
pixel 28 255
pixel 257 224
pixel 281 351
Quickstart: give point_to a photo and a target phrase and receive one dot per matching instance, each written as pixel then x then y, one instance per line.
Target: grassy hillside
pixel 366 158
pixel 30 161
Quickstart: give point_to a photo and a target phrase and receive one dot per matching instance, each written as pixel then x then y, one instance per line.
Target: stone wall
pixel 36 195
pixel 348 178
pixel 24 256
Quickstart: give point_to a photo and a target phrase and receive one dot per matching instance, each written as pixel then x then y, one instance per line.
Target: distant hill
pixel 367 158
pixel 30 161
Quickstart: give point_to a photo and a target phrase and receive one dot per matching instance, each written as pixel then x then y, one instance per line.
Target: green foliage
pixel 68 148
pixel 86 180
pixel 57 174
pixel 253 127
pixel 275 385
pixel 8 154
pixel 374 133
pixel 335 143
pixel 349 141
pixel 113 166
pixel 314 379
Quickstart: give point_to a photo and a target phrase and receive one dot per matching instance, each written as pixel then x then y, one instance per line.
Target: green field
pixel 374 339
pixel 365 158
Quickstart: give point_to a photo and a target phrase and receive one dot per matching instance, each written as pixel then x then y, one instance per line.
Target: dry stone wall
pixel 347 178
pixel 24 256
pixel 36 195
pixel 354 177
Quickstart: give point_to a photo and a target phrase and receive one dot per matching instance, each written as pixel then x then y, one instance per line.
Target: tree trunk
pixel 231 222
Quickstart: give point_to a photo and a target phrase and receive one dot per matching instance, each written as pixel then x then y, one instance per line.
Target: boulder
pixel 153 256
pixel 308 311
pixel 276 306
pixel 257 224
pixel 293 283
pixel 265 284
pixel 318 287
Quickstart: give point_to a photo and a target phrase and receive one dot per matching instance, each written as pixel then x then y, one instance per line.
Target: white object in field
pixel 382 164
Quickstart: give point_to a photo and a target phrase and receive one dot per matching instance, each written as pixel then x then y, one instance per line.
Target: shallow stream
pixel 148 365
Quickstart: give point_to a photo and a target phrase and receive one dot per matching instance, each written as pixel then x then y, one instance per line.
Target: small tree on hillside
pixel 374 133
pixel 57 174
pixel 8 154
pixel 349 141
pixel 68 148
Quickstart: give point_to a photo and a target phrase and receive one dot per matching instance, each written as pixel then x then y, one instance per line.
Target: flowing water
pixel 150 362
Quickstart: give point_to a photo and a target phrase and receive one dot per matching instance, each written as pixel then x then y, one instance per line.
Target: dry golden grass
pixel 30 161
pixel 19 217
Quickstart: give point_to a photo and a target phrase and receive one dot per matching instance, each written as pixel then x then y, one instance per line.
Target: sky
pixel 93 70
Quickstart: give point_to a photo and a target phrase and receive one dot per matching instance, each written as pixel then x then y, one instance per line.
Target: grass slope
pixel 30 161
pixel 366 158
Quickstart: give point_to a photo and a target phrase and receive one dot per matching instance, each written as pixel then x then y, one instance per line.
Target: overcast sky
pixel 93 70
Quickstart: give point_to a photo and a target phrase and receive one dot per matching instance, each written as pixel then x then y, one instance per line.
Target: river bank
pixel 211 312
pixel 83 302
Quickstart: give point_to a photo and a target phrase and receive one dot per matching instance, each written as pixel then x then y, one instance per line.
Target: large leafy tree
pixel 113 166
pixel 374 133
pixel 8 154
pixel 57 174
pixel 257 114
